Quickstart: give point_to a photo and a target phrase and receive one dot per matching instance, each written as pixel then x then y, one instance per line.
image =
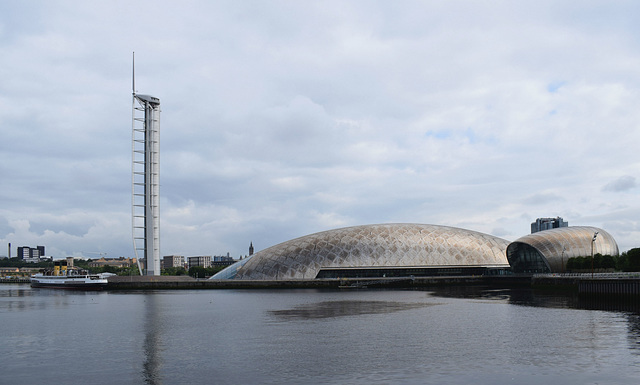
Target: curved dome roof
pixel 371 246
pixel 547 251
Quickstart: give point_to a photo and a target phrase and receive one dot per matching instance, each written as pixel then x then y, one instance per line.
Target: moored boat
pixel 62 278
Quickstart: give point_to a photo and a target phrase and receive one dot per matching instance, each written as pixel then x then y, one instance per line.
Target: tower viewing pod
pixel 145 182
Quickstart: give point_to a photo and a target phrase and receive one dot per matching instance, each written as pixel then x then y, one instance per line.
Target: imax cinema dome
pixel 548 251
pixel 375 251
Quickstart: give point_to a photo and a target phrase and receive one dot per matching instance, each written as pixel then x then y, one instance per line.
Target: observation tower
pixel 145 181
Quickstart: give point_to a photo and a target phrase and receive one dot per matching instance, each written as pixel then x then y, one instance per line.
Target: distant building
pixel 547 224
pixel 221 260
pixel 113 262
pixel 18 272
pixel 251 249
pixel 204 261
pixel 169 261
pixel 9 271
pixel 31 254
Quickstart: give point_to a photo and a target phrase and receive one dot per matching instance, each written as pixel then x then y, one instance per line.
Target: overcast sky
pixel 285 118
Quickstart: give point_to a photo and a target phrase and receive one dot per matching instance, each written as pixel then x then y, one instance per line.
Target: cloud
pixel 542 198
pixel 281 119
pixel 623 183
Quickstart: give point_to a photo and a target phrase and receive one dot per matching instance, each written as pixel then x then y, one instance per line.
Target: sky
pixel 285 118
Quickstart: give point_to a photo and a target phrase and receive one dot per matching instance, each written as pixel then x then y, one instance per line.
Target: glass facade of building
pixel 375 250
pixel 548 251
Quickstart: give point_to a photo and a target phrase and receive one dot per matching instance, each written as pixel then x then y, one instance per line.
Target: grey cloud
pixel 542 198
pixel 624 183
pixel 5 228
pixel 276 126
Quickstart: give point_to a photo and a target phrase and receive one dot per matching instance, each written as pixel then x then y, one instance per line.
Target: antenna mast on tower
pixel 145 179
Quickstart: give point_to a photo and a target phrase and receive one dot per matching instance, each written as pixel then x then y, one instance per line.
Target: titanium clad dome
pixel 372 246
pixel 548 251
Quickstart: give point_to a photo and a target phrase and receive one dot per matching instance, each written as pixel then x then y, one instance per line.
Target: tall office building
pixel 204 261
pixel 547 224
pixel 31 254
pixel 169 261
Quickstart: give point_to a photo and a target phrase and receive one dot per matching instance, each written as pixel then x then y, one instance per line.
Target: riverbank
pixel 608 284
pixel 183 282
pixel 619 285
pixel 626 285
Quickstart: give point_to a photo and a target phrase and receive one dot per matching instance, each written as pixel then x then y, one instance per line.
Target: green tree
pixel 131 270
pixel 578 263
pixel 81 263
pixel 607 262
pixel 17 262
pixel 174 271
pixel 213 270
pixel 197 272
pixel 632 260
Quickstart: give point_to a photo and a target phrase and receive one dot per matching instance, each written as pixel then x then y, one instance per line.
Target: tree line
pixel 202 272
pixel 627 261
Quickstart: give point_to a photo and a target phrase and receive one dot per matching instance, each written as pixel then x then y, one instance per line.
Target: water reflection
pixel 152 343
pixel 318 337
pixel 529 297
pixel 21 297
pixel 633 320
pixel 332 309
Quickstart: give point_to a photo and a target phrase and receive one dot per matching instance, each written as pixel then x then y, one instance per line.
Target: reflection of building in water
pixel 633 320
pixel 152 341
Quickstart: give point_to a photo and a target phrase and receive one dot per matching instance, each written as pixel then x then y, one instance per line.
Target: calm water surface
pixel 314 337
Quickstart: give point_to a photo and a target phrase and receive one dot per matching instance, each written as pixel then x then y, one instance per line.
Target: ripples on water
pixel 449 336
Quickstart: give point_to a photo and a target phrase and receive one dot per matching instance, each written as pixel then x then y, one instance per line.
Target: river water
pixel 314 337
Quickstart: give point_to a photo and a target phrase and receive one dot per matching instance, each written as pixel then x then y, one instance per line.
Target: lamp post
pixel 593 240
pixel 562 259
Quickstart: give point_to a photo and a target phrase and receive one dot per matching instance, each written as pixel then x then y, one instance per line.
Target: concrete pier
pixel 189 283
pixel 621 287
pixel 612 284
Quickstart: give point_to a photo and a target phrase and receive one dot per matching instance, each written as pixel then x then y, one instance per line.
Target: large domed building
pixel 420 250
pixel 548 251
pixel 384 250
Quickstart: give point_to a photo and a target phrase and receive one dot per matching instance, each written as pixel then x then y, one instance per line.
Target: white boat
pixel 62 278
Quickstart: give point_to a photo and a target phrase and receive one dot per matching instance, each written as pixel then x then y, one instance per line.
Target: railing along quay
pixel 15 280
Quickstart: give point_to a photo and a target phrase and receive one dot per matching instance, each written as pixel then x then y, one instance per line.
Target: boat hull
pixel 69 283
